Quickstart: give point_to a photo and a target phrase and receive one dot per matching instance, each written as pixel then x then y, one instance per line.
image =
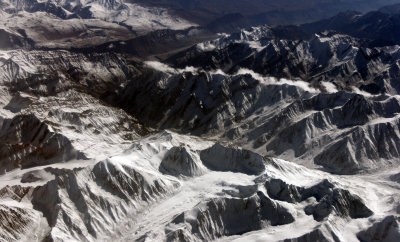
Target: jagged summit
pixel 79 24
pixel 324 58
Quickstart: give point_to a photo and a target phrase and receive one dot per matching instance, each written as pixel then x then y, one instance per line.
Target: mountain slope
pixel 338 59
pixel 381 27
pixel 99 196
pixel 265 11
pixel 79 24
pixel 279 118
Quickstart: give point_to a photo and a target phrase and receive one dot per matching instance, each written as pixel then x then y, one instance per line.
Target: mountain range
pixel 189 121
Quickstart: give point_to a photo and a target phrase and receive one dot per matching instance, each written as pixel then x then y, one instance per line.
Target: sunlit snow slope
pixel 79 24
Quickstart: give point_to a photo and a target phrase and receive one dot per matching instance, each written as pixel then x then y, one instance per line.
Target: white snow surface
pixel 152 219
pixel 108 21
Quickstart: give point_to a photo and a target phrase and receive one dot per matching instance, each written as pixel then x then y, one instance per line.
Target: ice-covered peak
pixel 141 19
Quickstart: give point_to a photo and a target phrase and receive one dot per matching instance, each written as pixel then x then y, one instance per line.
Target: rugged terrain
pixel 285 133
pixel 253 12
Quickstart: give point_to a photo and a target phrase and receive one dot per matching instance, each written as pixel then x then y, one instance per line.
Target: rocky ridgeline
pixel 88 201
pixel 336 58
pixel 51 110
pixel 270 116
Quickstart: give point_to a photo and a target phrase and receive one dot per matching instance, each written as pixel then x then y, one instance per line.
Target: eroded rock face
pixel 33 176
pixel 78 204
pixel 280 190
pixel 395 177
pixel 320 234
pixel 230 216
pixel 181 161
pixel 386 230
pixel 329 199
pixel 26 142
pixel 221 158
pixel 341 202
pixel 14 222
pixel 17 220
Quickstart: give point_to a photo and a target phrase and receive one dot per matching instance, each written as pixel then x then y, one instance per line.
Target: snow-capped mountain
pixel 255 12
pixel 337 59
pixel 279 118
pixel 134 196
pixel 79 24
pixel 380 27
pixel 134 15
pixel 267 134
pixel 50 98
